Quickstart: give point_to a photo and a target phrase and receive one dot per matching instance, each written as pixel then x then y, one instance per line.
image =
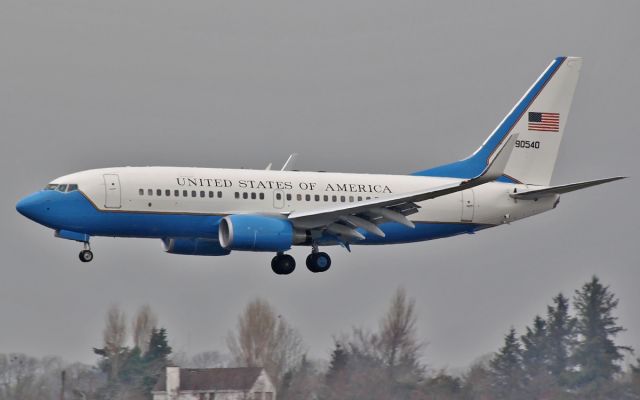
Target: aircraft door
pixel 468 205
pixel 112 197
pixel 278 198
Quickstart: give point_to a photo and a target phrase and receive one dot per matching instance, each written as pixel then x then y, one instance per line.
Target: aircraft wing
pixel 553 190
pixel 344 219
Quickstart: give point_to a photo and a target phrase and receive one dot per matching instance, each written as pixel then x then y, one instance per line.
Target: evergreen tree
pixel 338 363
pixel 596 353
pixel 506 368
pixel 534 354
pixel 156 359
pixel 560 339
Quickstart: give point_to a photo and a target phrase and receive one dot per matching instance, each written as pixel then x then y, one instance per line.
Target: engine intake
pixel 258 233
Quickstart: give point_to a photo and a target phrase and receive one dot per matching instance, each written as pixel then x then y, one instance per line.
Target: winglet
pixel 496 167
pixel 289 163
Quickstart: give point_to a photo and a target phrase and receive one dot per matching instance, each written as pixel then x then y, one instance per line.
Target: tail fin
pixel 538 118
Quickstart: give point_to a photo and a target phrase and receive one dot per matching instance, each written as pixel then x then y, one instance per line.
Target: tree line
pixel 570 352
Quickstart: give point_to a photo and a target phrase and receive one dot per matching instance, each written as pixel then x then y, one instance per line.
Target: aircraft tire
pixel 318 262
pixel 86 256
pixel 283 264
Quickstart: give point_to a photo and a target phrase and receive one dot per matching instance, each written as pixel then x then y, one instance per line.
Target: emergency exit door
pixel 112 197
pixel 468 205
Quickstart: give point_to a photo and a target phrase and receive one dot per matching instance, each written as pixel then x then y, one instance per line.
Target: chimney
pixel 173 383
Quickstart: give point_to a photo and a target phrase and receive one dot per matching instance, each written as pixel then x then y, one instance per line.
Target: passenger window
pixel 307 197
pixel 288 196
pixel 150 192
pixel 368 198
pixel 167 193
pixel 194 193
pixel 317 197
pixel 237 195
pixel 220 194
pixel 278 196
pixel 245 195
pixel 342 199
pixel 141 192
pixel 158 192
pixel 185 193
pixel 176 193
pixel 202 193
pixel 326 198
pixel 334 198
pixel 350 199
pixel 299 197
pixel 72 187
pixel 210 194
pixel 253 195
pixel 359 198
pixel 261 196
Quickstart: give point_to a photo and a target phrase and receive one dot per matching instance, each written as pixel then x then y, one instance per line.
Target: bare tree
pixel 265 339
pixel 114 335
pixel 142 325
pixel 397 339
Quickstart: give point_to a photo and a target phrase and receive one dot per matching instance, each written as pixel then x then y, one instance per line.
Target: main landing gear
pixel 317 261
pixel 86 255
pixel 283 264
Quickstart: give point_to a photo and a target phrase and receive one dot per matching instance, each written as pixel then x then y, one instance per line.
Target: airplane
pixel 212 212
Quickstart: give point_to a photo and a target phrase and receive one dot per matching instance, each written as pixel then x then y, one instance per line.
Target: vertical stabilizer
pixel 539 118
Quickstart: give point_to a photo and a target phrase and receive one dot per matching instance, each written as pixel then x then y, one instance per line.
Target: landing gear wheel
pixel 86 255
pixel 283 264
pixel 318 262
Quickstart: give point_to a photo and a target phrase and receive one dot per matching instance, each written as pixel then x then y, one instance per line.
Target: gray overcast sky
pixel 355 86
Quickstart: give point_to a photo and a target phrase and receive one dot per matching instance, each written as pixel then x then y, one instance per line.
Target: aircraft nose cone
pixel 30 206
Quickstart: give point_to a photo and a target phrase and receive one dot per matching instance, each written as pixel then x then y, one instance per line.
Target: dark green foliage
pixel 138 372
pixel 506 368
pixel 596 353
pixel 560 339
pixel 339 359
pixel 535 353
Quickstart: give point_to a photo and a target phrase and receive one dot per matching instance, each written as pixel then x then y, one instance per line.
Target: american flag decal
pixel 543 121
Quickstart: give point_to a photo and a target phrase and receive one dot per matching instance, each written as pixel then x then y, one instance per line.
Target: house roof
pixel 213 379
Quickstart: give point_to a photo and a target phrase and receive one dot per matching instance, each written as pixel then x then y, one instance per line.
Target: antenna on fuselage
pixel 289 163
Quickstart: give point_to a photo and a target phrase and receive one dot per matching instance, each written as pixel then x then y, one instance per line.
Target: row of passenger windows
pixel 180 193
pixel 325 198
pixel 249 195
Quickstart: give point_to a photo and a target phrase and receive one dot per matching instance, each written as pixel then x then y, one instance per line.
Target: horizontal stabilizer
pixel 553 190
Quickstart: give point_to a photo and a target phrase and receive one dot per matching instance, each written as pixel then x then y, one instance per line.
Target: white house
pixel 214 384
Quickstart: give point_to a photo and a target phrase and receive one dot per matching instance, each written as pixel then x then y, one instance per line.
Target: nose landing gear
pixel 86 255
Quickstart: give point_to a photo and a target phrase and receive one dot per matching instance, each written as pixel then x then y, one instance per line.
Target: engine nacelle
pixel 194 247
pixel 258 233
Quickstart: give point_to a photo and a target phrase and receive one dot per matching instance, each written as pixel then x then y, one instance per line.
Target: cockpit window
pixel 61 187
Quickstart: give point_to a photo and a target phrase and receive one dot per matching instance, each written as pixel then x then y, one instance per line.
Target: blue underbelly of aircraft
pixel 78 214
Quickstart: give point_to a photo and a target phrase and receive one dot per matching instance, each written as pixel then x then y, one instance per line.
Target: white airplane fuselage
pixel 175 202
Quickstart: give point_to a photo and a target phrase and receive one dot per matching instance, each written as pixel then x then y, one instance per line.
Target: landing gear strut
pixel 318 261
pixel 283 264
pixel 86 255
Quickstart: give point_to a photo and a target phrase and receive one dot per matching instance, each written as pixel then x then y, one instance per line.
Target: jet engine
pixel 252 232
